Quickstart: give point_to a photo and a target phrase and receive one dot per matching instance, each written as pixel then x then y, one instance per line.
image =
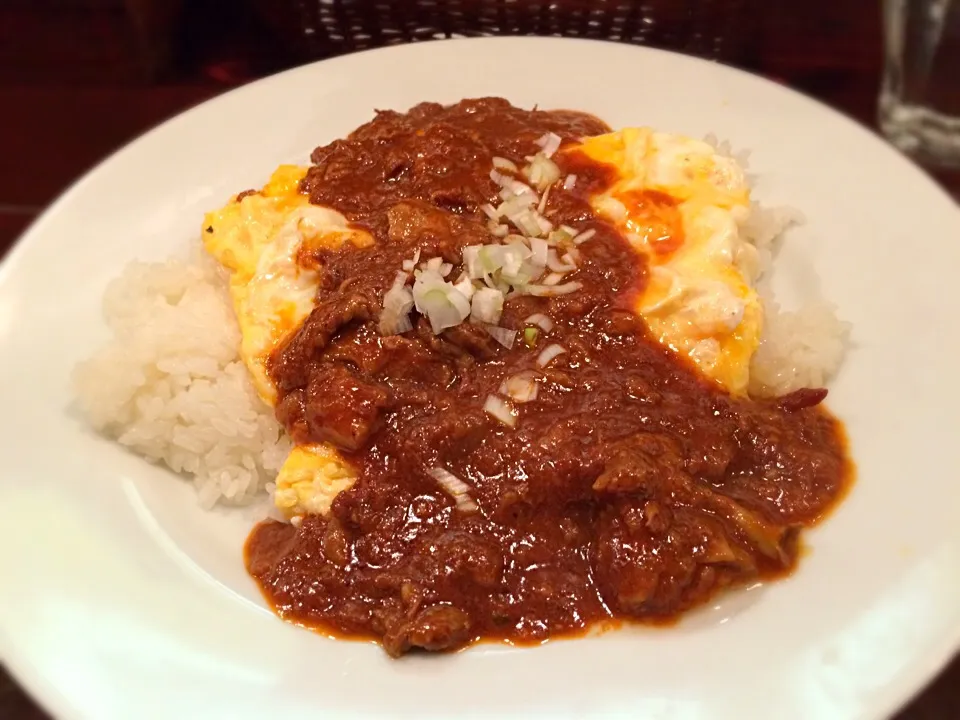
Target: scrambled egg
pixel 680 203
pixel 257 239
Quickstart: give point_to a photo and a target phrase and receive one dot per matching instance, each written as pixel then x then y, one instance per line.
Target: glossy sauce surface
pixel 630 488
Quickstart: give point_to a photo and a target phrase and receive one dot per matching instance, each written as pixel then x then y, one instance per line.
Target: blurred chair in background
pixel 716 29
pixel 305 30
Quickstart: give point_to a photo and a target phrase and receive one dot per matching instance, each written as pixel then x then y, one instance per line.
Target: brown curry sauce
pixel 632 488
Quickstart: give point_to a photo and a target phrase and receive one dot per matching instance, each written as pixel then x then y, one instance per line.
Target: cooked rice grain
pixel 170 386
pixel 798 348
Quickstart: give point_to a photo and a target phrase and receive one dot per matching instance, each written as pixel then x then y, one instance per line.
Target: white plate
pixel 119 598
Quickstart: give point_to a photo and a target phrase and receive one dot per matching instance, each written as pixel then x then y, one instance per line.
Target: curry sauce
pixel 631 488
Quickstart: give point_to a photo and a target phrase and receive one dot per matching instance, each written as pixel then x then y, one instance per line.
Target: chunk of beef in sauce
pixel 630 488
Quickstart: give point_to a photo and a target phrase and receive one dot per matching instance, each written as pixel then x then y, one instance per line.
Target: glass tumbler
pixel 919 109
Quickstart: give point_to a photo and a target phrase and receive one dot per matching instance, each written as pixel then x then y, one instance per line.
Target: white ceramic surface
pixel 119 598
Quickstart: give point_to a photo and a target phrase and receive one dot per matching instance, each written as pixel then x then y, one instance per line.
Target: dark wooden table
pixel 73 88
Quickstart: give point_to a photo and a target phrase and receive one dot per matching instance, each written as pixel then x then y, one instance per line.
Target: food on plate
pixel 506 373
pixel 680 203
pixel 261 238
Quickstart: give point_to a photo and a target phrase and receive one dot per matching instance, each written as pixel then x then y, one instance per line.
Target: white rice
pixel 798 348
pixel 170 384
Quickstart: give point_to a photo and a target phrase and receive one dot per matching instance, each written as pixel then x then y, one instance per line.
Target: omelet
pixel 257 237
pixel 677 200
pixel 680 204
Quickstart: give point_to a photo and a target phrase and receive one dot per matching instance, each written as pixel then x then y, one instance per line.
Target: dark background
pixel 78 78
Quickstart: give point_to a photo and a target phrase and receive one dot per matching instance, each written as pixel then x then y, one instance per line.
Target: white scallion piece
pixel 486 306
pixel 540 320
pixel 545 225
pixel 411 264
pixel 504 336
pixel 542 207
pixel 555 264
pixel 549 353
pixel 514 254
pixel 540 250
pixel 501 410
pixel 397 303
pixel 509 268
pixel 549 143
pixel 570 182
pixel 521 387
pixel 471 261
pixel 442 304
pixel 584 236
pixel 456 488
pixel 515 187
pixel 514 206
pixel 527 222
pixel 490 211
pixel 552 290
pixel 465 285
pixel 528 194
pixel 542 172
pixel 483 260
